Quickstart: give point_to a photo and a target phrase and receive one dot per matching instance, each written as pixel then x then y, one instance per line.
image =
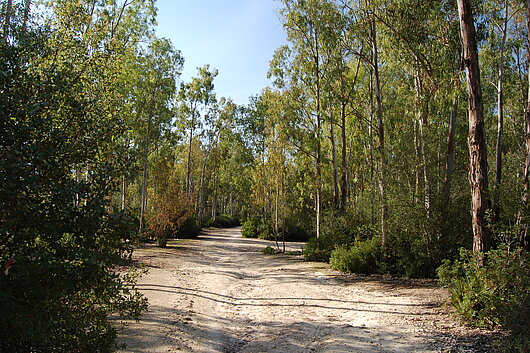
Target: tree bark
pixel 449 161
pixel 318 112
pixel 25 18
pixel 7 18
pixel 188 165
pixel 344 158
pixel 380 134
pixel 422 106
pixel 123 192
pixel 334 161
pixel 522 219
pixel 143 204
pixel 478 165
pixel 500 118
pixel 371 150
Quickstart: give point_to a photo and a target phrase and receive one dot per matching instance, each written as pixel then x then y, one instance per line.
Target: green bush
pixel 224 221
pixel 411 255
pixel 269 250
pixel 249 228
pixel 257 227
pixel 189 229
pixel 319 249
pixel 494 295
pixel 293 230
pixel 362 257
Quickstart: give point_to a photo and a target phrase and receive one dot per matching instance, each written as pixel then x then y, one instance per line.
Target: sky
pixel 237 37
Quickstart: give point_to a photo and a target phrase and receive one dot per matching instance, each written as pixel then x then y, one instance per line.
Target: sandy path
pixel 221 294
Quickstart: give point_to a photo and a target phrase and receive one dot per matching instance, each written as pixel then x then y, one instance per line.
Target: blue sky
pixel 237 37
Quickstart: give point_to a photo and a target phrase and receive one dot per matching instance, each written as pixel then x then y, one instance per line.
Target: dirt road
pixel 221 294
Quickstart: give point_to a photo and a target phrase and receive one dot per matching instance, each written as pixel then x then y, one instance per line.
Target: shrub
pixel 257 227
pixel 362 257
pixel 171 212
pixel 494 295
pixel 224 221
pixel 269 250
pixel 293 230
pixel 189 229
pixel 249 228
pixel 319 249
pixel 411 255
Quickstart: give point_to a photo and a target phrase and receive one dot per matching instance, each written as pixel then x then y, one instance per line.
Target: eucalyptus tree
pixel 156 74
pixel 307 27
pixel 478 164
pixel 524 237
pixel 195 101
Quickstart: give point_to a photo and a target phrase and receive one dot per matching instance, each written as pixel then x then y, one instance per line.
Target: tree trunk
pixel 371 150
pixel 25 17
pixel 334 161
pixel 478 165
pixel 188 165
pixel 417 161
pixel 449 161
pixel 318 135
pixel 344 158
pixel 123 192
pixel 522 219
pixel 500 118
pixel 143 205
pixel 7 18
pixel 422 106
pixel 380 134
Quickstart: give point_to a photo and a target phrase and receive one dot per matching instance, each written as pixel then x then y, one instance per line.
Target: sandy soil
pixel 219 293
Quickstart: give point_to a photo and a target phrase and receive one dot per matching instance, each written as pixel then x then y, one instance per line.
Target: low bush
pixel 257 227
pixel 411 255
pixel 189 229
pixel 293 230
pixel 171 213
pixel 496 294
pixel 224 221
pixel 319 249
pixel 269 250
pixel 362 257
pixel 249 228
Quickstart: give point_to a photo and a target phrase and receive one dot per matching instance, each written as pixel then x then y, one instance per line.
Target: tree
pixel 478 165
pixel 522 220
pixel 59 98
pixel 195 100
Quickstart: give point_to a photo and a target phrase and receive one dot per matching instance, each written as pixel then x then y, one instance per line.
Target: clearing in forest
pixel 219 293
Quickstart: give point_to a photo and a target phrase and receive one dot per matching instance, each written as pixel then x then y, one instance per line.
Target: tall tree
pixel 478 165
pixel 195 98
pixel 524 236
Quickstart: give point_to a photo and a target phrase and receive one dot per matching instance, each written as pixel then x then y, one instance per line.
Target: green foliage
pixel 320 249
pixel 257 227
pixel 189 229
pixel 224 221
pixel 293 229
pixel 411 255
pixel 494 295
pixel 269 250
pixel 249 227
pixel 60 158
pixel 362 257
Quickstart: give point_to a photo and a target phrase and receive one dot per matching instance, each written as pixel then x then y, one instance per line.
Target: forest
pixel 394 139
